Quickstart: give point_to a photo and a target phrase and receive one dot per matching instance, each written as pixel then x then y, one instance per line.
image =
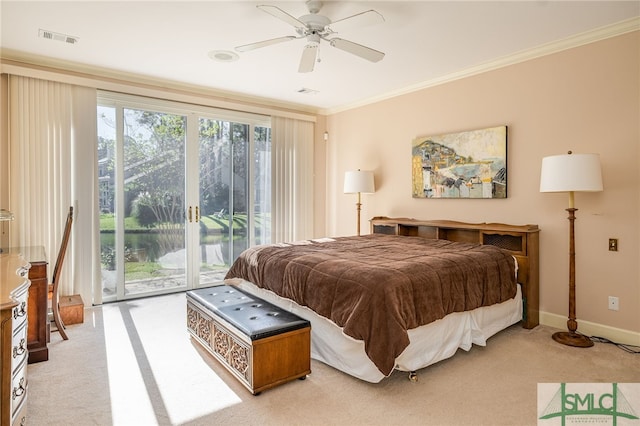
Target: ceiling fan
pixel 315 27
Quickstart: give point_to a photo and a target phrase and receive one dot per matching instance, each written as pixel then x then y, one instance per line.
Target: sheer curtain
pixel 52 140
pixel 292 179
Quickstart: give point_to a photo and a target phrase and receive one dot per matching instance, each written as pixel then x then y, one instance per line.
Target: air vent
pixel 307 91
pixel 51 35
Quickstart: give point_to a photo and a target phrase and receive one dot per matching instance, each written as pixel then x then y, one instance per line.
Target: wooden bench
pixel 261 344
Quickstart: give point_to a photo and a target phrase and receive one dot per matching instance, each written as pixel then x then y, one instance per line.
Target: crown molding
pixel 36 66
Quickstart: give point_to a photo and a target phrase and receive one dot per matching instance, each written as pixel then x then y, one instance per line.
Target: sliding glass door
pixel 178 195
pixel 234 193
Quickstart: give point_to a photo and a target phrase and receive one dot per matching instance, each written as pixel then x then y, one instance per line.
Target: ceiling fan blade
pixel 282 15
pixel 357 49
pixel 308 59
pixel 264 43
pixel 370 17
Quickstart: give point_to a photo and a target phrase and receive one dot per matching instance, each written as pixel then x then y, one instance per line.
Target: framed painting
pixel 470 164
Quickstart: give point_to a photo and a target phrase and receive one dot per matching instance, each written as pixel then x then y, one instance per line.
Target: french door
pixel 182 192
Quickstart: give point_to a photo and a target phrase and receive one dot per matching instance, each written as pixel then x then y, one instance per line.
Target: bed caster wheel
pixel 302 378
pixel 413 376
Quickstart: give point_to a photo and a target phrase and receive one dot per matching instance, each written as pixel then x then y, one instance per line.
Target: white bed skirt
pixel 428 343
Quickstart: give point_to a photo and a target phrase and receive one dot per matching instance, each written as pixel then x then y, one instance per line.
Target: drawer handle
pixel 19 390
pixel 23 271
pixel 17 313
pixel 20 349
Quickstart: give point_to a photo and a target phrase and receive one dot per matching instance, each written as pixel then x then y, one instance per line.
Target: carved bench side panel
pixel 234 353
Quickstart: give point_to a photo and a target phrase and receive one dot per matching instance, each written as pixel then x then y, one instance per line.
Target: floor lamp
pixel 358 182
pixel 571 173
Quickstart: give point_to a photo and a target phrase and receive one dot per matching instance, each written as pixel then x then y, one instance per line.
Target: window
pixel 183 190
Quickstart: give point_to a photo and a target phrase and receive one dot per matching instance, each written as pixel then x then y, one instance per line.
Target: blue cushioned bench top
pixel 254 317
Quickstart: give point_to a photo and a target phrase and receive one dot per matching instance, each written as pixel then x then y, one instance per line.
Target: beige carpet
pixel 133 363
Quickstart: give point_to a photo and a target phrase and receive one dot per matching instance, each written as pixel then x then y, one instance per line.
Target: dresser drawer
pixel 20 417
pixel 19 347
pixel 19 389
pixel 19 312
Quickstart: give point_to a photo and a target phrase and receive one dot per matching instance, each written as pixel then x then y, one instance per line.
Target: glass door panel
pixel 261 186
pixel 141 166
pixel 214 155
pixel 107 199
pixel 154 201
pixel 223 196
pixel 240 218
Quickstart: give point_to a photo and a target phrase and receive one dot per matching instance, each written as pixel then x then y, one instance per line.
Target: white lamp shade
pixel 359 181
pixel 571 172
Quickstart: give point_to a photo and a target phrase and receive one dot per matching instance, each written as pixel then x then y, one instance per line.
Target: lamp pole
pixel 571 338
pixel 358 208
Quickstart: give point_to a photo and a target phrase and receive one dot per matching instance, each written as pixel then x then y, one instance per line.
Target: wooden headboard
pixel 520 240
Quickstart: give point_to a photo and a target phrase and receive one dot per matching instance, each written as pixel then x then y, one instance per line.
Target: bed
pixel 403 297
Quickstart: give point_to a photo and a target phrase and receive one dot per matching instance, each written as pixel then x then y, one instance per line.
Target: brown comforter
pixel 376 287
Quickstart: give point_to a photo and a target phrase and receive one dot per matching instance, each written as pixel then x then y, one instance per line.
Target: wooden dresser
pixel 38 329
pixel 14 296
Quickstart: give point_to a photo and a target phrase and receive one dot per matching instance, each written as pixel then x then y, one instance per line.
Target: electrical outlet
pixel 613 244
pixel 614 303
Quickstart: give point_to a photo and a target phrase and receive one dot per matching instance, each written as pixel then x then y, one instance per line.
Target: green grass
pixel 140 270
pixel 108 222
pixel 146 270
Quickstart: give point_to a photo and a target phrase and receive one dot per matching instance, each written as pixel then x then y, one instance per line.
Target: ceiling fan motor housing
pixel 315 24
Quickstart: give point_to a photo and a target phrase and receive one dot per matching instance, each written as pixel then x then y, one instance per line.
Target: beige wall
pixel 585 99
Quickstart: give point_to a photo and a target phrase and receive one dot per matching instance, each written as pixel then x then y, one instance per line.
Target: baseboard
pixel 614 334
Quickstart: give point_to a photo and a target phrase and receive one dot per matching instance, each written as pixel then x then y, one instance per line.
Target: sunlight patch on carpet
pixel 153 382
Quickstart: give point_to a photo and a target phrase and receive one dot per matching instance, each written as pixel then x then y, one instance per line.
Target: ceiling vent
pixel 50 35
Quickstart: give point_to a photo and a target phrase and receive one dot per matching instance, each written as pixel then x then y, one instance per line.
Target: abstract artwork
pixel 470 164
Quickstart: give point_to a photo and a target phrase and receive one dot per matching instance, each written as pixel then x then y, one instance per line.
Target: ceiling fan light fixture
pixel 223 56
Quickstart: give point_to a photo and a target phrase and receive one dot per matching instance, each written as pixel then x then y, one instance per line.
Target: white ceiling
pixel 424 41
